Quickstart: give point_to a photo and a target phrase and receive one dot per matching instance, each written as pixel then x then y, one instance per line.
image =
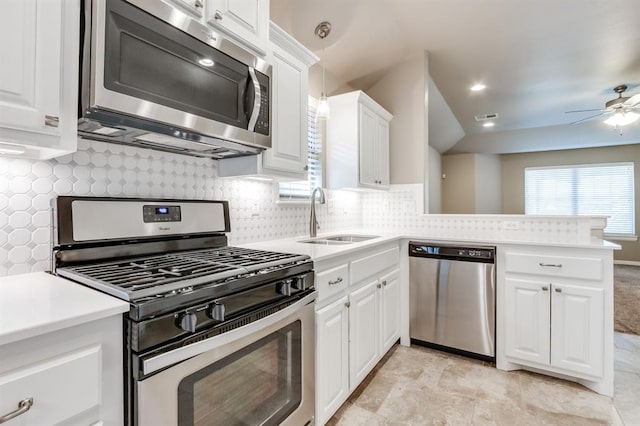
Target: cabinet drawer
pixel 332 281
pixel 373 264
pixel 589 268
pixel 61 387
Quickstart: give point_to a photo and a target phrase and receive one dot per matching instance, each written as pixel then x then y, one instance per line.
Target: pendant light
pixel 322 111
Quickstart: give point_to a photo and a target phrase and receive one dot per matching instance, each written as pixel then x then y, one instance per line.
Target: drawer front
pixel 588 268
pixel 61 388
pixel 332 281
pixel 374 264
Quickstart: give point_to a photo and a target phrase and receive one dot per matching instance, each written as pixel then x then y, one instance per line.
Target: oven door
pixel 152 61
pixel 259 374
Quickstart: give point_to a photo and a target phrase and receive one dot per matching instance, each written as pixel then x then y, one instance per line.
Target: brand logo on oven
pixel 164 228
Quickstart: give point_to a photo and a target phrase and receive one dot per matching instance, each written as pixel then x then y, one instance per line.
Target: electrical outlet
pixel 510 225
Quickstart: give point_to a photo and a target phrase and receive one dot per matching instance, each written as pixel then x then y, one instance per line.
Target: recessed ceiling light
pixel 206 62
pixel 489 124
pixel 478 87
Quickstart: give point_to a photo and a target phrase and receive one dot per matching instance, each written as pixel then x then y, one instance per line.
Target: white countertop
pixel 319 252
pixel 37 303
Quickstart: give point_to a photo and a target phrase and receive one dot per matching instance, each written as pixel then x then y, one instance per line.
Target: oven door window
pixel 151 60
pixel 259 385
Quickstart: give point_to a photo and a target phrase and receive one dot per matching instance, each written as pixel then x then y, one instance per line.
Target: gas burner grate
pixel 170 273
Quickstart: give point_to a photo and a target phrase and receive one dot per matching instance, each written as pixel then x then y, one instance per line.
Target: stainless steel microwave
pixel 153 76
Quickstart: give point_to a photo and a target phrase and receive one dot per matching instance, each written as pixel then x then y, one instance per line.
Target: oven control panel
pixel 157 213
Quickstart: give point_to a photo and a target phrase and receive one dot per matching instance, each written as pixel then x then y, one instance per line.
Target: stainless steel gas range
pixel 215 335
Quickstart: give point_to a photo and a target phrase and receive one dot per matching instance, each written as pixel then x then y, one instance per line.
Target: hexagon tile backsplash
pixel 100 169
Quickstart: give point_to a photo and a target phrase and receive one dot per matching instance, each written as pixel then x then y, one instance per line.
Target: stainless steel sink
pixel 339 239
pixel 352 238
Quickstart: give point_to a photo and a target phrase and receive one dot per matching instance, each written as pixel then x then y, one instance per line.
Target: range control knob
pixel 187 322
pixel 216 311
pixel 284 288
pixel 297 284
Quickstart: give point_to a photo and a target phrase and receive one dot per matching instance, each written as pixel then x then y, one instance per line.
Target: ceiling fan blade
pixel 586 110
pixel 587 118
pixel 632 101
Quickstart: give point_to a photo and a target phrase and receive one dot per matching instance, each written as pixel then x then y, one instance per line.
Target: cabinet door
pixel 577 330
pixel 368 146
pixel 248 20
pixel 363 332
pixel 527 320
pixel 332 359
pixel 30 48
pixel 389 311
pixel 382 127
pixel 289 140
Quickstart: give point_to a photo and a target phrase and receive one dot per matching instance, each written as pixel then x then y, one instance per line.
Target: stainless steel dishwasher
pixel 452 298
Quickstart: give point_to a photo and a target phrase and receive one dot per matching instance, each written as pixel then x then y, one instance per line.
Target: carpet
pixel 626 298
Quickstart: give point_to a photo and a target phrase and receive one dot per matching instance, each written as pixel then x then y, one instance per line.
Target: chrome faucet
pixel 313 222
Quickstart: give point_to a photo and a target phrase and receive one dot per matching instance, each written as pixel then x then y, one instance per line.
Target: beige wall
pixel 458 193
pixel 488 184
pixel 435 182
pixel 513 166
pixel 472 184
pixel 401 91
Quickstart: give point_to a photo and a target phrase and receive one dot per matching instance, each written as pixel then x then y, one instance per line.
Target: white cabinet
pixel 287 157
pixel 555 313
pixel 357 322
pixel 290 61
pixel 246 20
pixel 39 77
pixel 73 376
pixel 332 358
pixel 389 310
pixel 357 142
pixel 363 332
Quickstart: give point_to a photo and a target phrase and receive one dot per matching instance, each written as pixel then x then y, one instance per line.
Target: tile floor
pixel 420 386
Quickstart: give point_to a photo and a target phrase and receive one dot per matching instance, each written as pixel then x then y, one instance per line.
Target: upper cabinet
pixel 290 61
pixel 287 157
pixel 39 77
pixel 357 142
pixel 247 20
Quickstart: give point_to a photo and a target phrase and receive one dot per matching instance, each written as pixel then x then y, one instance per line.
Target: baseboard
pixel 626 262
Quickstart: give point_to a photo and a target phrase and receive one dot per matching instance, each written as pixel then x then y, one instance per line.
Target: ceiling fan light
pixel 622 118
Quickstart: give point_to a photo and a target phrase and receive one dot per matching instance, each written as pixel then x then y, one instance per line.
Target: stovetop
pixel 158 276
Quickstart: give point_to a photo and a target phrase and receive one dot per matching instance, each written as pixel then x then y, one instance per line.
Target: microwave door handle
pixel 257 99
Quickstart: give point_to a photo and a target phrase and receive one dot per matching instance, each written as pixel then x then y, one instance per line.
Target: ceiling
pixel 538 58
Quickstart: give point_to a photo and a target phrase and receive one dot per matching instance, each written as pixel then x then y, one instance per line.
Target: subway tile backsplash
pixel 101 169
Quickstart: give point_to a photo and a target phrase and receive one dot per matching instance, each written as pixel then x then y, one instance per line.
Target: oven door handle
pixel 257 100
pixel 177 355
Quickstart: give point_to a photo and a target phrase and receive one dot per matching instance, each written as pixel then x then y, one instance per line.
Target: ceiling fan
pixel 624 109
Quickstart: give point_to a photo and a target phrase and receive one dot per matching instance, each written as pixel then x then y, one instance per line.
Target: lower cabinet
pixel 332 358
pixel 354 331
pixel 556 324
pixel 71 376
pixel 558 313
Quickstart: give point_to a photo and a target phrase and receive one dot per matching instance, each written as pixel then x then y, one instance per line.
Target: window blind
pixel 594 189
pixel 301 190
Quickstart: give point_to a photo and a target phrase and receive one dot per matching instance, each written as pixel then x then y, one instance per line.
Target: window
pixel 301 190
pixel 593 189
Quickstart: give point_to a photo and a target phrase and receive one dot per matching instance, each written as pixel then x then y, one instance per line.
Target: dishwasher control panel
pixel 425 249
